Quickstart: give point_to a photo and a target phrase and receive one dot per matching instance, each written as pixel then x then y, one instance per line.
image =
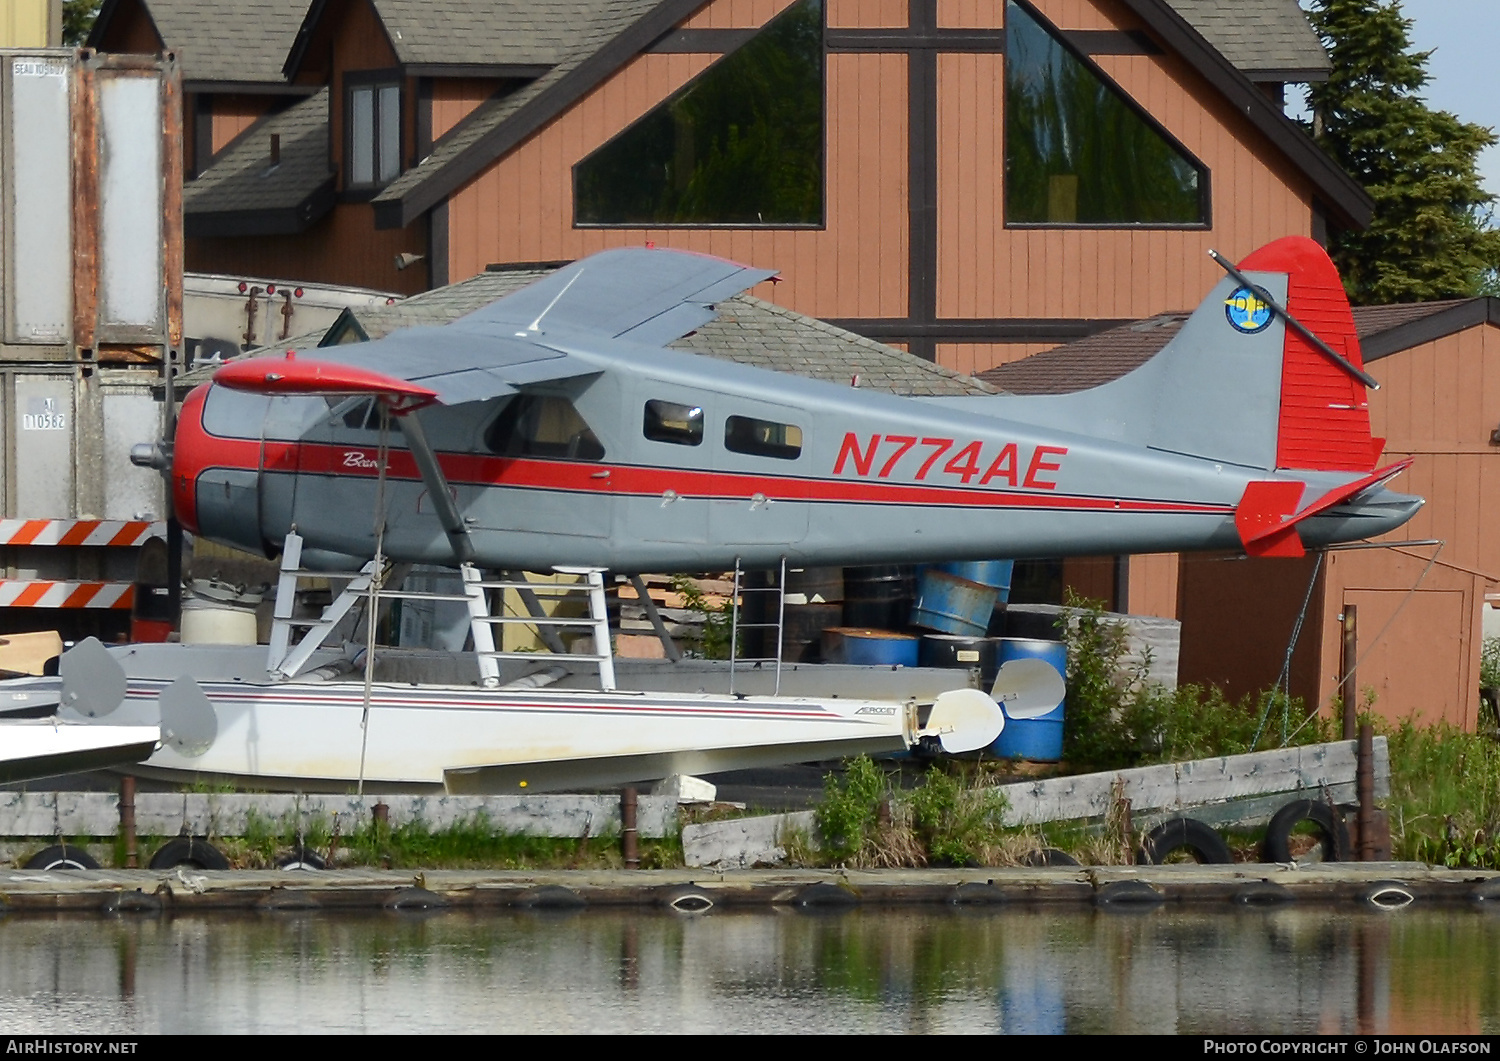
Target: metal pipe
pixel 629 838
pixel 127 820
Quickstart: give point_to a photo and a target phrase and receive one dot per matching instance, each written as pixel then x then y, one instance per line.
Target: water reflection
pixel 918 970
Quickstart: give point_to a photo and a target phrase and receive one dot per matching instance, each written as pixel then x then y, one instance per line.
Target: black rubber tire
pixel 1189 834
pixel 302 858
pixel 61 856
pixel 193 851
pixel 1330 822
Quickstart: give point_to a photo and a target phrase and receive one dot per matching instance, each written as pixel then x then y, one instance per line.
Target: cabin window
pixel 681 425
pixel 543 425
pixel 762 438
pixel 1080 152
pixel 373 123
pixel 741 144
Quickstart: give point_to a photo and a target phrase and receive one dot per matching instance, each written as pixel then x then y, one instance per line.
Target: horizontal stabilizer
pixel 1267 515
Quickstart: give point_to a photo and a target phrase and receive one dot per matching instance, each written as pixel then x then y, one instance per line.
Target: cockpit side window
pixel 543 425
pixel 681 425
pixel 762 438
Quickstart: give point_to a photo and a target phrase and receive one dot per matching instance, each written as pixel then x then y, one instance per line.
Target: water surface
pixel 865 970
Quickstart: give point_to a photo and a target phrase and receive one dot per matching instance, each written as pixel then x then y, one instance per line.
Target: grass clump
pixel 865 822
pixel 1445 796
pixel 1116 717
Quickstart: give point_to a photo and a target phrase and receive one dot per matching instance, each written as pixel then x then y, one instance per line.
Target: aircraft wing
pixel 415 366
pixel 643 294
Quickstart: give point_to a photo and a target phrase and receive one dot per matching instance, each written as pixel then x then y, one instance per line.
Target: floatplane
pixel 556 427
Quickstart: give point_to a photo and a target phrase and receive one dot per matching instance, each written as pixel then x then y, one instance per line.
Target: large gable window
pixel 1077 151
pixel 373 122
pixel 742 144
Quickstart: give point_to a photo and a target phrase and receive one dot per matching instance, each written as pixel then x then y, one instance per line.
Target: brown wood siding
pixel 521 209
pixel 865 14
pixel 454 99
pixel 342 248
pixel 970 14
pixel 1083 14
pixel 360 43
pixel 974 358
pixel 233 114
pixel 736 14
pixel 131 30
pixel 1152 584
pixel 987 270
pixel 1418 648
pixel 1438 403
pixel 1090 578
pixel 1237 620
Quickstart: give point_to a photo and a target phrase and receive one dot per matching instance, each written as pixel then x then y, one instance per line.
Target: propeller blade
pixel 189 724
pixel 964 720
pixel 93 682
pixel 1028 688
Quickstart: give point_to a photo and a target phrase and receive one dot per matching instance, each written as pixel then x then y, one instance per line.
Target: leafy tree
pixel 78 19
pixel 1430 237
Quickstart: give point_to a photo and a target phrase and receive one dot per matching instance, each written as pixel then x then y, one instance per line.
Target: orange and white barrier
pixel 44 593
pixel 107 532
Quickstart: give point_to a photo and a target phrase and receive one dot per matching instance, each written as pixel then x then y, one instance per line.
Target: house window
pixel 1077 150
pixel 742 144
pixel 762 438
pixel 374 123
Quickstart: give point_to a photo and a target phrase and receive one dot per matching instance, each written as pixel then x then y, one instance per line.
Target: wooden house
pixel 971 180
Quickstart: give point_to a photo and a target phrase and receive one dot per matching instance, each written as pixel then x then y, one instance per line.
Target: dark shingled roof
pixel 1088 362
pixel 470 31
pixel 1107 355
pixel 241 193
pixel 1267 40
pixel 220 40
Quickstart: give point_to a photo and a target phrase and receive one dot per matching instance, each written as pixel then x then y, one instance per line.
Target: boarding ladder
pixel 286 659
pixel 738 662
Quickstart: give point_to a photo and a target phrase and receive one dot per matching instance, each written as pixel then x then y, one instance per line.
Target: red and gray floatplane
pixel 557 429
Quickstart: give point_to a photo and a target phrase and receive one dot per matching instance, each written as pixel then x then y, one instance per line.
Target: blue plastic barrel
pixel 880 648
pixel 995 573
pixel 951 604
pixel 1039 737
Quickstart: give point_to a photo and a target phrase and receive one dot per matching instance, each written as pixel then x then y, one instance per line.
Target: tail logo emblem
pixel 1247 311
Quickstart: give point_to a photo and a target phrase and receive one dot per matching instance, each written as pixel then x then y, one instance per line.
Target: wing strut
pixel 437 488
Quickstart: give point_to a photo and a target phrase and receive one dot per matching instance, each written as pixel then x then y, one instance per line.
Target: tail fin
pixel 1325 419
pixel 1235 385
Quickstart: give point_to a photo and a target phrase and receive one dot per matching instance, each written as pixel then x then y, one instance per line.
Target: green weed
pixel 1445 796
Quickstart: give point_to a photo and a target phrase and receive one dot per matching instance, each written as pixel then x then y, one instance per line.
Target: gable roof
pixel 1266 40
pixel 236 41
pixel 1107 355
pixel 619 29
pixel 242 195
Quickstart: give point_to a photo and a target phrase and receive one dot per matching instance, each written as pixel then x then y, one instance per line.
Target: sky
pixel 1464 39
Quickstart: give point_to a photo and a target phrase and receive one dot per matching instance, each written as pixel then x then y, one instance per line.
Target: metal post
pixel 1349 686
pixel 629 839
pixel 127 820
pixel 1364 785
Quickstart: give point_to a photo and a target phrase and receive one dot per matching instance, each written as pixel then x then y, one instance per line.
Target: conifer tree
pixel 1430 237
